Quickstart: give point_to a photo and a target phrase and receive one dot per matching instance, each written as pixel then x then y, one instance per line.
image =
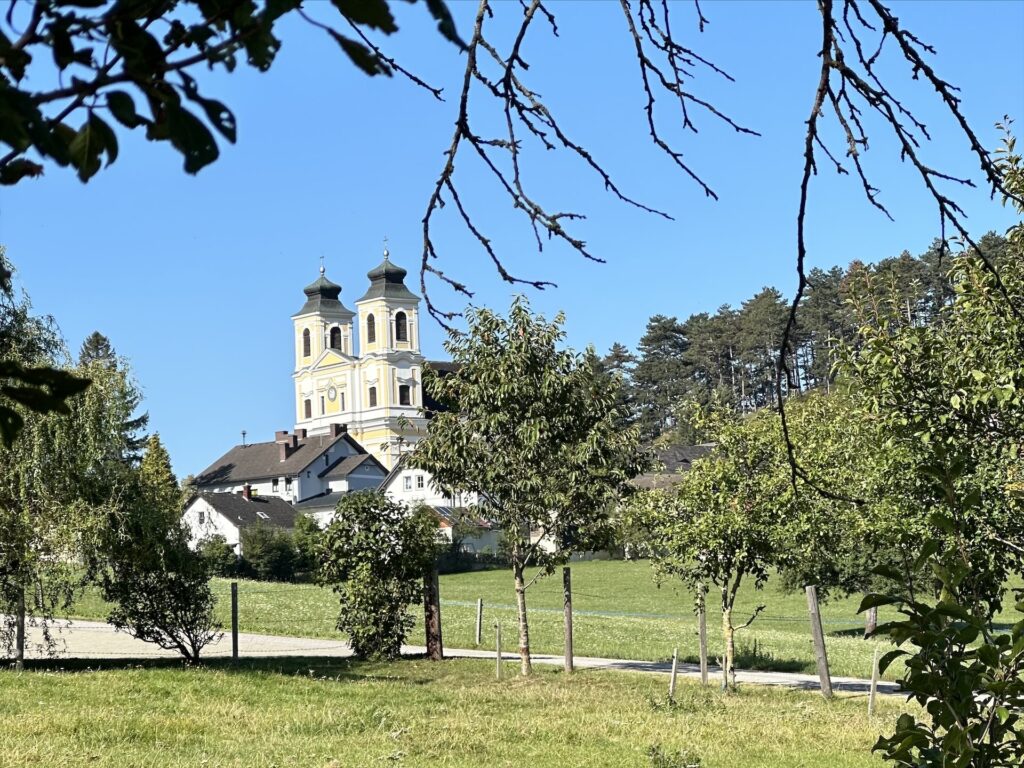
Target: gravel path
pixel 96 640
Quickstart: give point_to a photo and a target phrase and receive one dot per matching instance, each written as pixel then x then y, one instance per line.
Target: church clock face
pixel 332 394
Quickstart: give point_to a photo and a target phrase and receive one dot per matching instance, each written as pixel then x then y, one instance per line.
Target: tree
pixel 158 585
pixel 532 431
pixel 375 554
pixel 661 374
pixel 97 350
pixel 306 537
pixel 219 556
pixel 269 552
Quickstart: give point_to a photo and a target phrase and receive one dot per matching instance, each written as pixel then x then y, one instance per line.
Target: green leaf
pixel 374 14
pixel 362 56
pixel 122 107
pixel 873 600
pixel 18 169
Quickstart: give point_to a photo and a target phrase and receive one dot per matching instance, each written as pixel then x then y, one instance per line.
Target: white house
pixel 227 514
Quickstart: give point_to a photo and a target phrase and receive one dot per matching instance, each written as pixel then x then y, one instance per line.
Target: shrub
pixel 307 538
pixel 269 553
pixel 375 554
pixel 219 556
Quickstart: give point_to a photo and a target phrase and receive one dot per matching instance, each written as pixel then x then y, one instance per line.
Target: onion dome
pixel 322 296
pixel 387 280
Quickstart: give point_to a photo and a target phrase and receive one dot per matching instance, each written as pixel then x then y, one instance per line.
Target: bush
pixel 219 556
pixel 307 538
pixel 375 554
pixel 269 553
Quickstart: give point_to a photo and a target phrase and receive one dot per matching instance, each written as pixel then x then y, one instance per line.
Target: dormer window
pixel 401 327
pixel 305 342
pixel 335 340
pixel 371 329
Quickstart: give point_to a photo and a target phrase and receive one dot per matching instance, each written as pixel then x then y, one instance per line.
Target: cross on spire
pixel 386 254
pixel 322 270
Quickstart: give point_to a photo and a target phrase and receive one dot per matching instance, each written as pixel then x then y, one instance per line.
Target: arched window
pixel 371 329
pixel 401 327
pixel 335 338
pixel 403 394
pixel 305 342
pixel 373 397
pixel 307 409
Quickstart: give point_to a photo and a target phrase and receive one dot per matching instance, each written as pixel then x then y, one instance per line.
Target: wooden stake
pixel 702 632
pixel 567 593
pixel 672 679
pixel 874 684
pixel 497 644
pixel 819 642
pixel 234 621
pixel 19 633
pixel 479 620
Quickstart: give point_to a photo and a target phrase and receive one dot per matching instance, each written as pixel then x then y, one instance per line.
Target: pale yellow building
pixel 363 368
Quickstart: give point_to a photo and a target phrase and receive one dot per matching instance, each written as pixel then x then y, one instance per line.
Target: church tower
pixel 367 376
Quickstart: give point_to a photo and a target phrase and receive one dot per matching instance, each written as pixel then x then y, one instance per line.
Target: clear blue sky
pixel 194 278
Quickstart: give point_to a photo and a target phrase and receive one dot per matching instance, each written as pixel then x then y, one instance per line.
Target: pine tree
pixel 157 477
pixel 661 375
pixel 97 350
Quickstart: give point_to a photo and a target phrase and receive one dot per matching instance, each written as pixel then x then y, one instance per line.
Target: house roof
pixel 395 470
pixel 268 510
pixel 262 460
pixel 674 461
pixel 344 466
pixel 325 500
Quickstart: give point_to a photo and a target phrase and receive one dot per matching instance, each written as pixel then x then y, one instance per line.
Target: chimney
pixel 300 434
pixel 281 435
pixel 247 492
pixel 338 429
pixel 286 447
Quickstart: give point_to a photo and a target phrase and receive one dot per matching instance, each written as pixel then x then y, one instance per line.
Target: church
pixel 359 406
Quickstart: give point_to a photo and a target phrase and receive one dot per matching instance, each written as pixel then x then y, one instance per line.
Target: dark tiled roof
pixel 387 280
pixel 322 296
pixel 325 500
pixel 343 467
pixel 674 461
pixel 257 461
pixel 269 510
pixel 399 466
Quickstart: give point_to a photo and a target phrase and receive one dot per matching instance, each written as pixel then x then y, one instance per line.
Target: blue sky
pixel 194 278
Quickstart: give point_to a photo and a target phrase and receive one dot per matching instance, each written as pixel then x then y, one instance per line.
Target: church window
pixel 335 337
pixel 403 394
pixel 305 342
pixel 406 485
pixel 307 409
pixel 341 400
pixel 419 481
pixel 401 327
pixel 373 397
pixel 371 329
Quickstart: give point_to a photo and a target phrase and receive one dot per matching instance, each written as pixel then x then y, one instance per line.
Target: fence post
pixel 432 615
pixel 19 632
pixel 870 621
pixel 702 634
pixel 672 679
pixel 819 642
pixel 479 620
pixel 874 684
pixel 234 621
pixel 567 593
pixel 497 644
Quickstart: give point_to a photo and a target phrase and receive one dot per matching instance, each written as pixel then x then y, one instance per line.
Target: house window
pixel 287 484
pixel 371 329
pixel 307 475
pixel 403 394
pixel 373 397
pixel 305 342
pixel 406 485
pixel 335 338
pixel 419 481
pixel 327 460
pixel 307 409
pixel 202 517
pixel 274 485
pixel 401 327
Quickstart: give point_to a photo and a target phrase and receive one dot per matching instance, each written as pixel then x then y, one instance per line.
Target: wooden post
pixel 479 620
pixel 19 632
pixel 432 615
pixel 874 684
pixel 702 632
pixel 497 648
pixel 567 593
pixel 672 679
pixel 234 621
pixel 819 642
pixel 870 621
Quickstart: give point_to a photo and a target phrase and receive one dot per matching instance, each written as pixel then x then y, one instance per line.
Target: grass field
pixel 339 713
pixel 619 612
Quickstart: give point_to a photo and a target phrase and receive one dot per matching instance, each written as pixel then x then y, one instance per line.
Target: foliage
pixel 375 555
pixel 306 538
pixel 97 350
pixel 535 434
pixel 158 585
pixel 268 552
pixel 219 556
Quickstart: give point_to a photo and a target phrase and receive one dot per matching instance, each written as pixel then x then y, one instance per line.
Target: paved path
pixel 96 640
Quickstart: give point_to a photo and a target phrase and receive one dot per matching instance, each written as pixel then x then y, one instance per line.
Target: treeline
pixel 732 355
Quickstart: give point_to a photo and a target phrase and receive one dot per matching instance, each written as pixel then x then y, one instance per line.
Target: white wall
pixel 203 521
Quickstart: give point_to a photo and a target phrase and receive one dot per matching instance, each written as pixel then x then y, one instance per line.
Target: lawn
pixel 334 713
pixel 619 612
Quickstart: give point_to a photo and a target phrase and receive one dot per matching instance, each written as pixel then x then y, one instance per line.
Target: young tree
pixel 375 554
pixel 533 432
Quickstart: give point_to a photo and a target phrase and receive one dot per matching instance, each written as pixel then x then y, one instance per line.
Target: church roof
pixel 387 280
pixel 258 461
pixel 322 296
pixel 268 510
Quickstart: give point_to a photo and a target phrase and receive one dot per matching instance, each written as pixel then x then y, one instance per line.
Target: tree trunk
pixel 729 635
pixel 870 621
pixel 524 628
pixel 19 632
